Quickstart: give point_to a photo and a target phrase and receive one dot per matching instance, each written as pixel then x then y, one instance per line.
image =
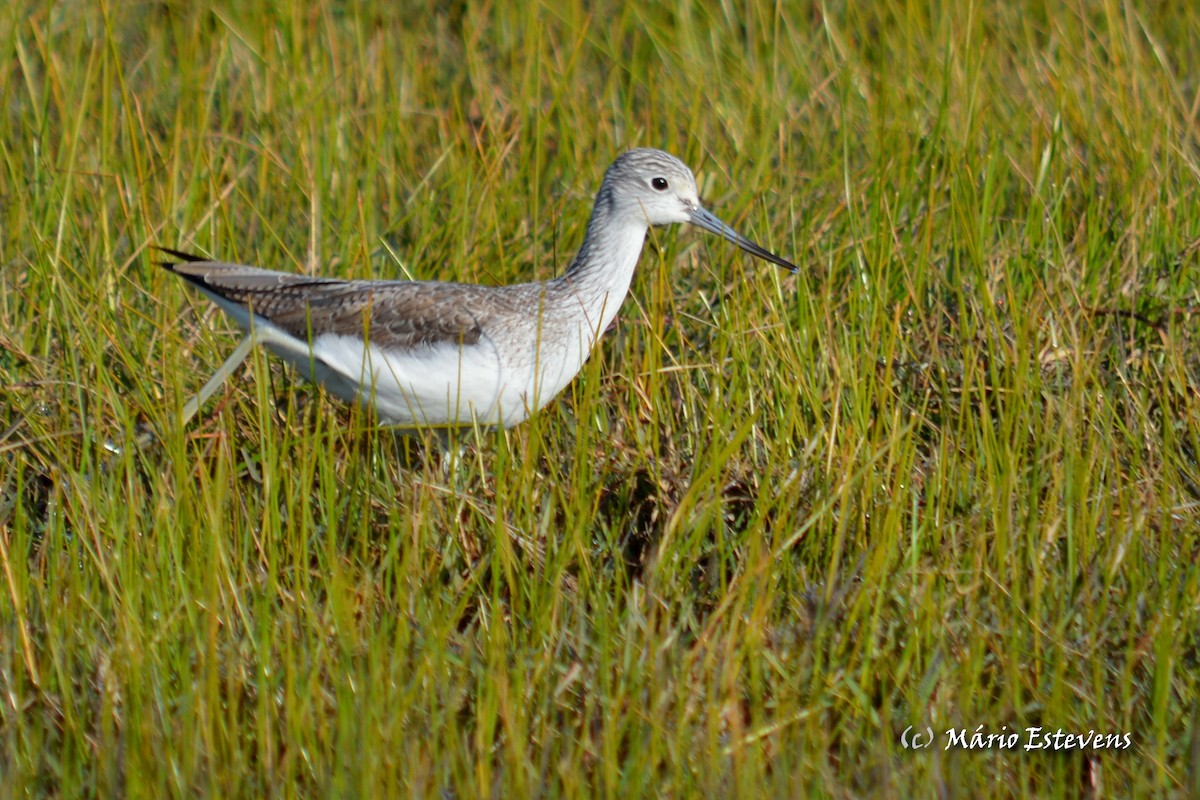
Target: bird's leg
pixel 191 407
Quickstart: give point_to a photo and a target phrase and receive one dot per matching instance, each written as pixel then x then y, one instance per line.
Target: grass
pixel 944 478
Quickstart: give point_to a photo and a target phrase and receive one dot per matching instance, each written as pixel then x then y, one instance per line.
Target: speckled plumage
pixel 425 353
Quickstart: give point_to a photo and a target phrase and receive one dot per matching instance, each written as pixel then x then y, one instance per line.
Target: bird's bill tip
pixel 703 218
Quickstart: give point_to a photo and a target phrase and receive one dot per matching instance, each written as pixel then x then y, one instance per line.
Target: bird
pixel 443 355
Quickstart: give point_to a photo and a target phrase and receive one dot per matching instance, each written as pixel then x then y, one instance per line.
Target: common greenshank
pixel 434 354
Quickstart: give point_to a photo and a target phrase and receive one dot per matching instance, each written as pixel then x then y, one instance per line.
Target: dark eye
pixel 660 184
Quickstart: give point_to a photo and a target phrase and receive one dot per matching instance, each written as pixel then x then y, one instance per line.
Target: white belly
pixel 445 385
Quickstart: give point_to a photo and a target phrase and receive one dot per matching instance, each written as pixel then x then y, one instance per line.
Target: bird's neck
pixel 600 274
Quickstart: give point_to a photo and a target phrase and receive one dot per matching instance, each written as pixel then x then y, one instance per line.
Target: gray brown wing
pixel 392 314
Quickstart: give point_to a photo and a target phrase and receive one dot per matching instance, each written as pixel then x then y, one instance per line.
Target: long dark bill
pixel 702 218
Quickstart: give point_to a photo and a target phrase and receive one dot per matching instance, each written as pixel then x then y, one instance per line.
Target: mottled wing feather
pixel 392 314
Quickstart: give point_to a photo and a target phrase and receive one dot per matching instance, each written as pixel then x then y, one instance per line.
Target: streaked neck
pixel 600 274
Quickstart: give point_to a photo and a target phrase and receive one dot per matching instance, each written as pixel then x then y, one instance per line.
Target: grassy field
pixel 945 479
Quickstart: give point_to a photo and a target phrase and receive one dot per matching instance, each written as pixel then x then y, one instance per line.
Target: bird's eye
pixel 660 184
